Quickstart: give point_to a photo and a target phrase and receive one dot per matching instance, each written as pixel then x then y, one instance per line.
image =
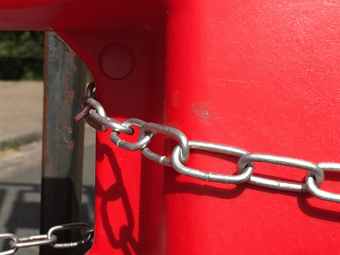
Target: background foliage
pixel 21 55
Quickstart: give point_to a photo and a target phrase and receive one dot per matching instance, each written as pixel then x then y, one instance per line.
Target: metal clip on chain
pixel 245 165
pixel 98 119
pixel 48 239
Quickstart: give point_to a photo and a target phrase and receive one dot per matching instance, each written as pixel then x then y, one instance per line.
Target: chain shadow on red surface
pixel 124 239
pixel 174 186
pixel 314 209
pixel 304 203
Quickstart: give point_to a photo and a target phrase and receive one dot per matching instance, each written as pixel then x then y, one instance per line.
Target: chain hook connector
pixel 84 107
pixel 91 90
pixel 100 111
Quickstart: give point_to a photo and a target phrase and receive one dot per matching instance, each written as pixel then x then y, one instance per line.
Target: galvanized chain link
pixel 245 165
pixel 49 239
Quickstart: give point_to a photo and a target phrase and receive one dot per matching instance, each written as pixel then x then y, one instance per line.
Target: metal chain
pixel 245 165
pixel 48 239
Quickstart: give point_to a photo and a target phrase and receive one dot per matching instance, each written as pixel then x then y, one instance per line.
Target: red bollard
pixel 258 75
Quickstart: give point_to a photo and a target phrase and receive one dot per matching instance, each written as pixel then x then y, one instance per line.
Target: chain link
pixel 48 239
pixel 170 132
pixel 245 165
pixel 144 140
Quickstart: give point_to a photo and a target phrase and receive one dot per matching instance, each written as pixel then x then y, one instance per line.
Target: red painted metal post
pixel 263 76
pixel 260 75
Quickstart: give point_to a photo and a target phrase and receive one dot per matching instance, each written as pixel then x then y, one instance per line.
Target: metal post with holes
pixel 62 159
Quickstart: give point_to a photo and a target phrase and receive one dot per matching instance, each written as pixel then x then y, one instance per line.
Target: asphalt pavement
pixel 21 107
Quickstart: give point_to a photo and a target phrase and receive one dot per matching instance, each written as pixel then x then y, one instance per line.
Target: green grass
pixel 13 144
pixel 89 77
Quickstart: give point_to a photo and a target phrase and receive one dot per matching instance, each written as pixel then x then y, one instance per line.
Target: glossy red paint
pixel 260 75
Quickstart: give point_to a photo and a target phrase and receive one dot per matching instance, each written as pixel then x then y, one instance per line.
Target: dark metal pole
pixel 61 187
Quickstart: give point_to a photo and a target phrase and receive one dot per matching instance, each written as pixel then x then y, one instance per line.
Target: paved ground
pixel 21 110
pixel 21 106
